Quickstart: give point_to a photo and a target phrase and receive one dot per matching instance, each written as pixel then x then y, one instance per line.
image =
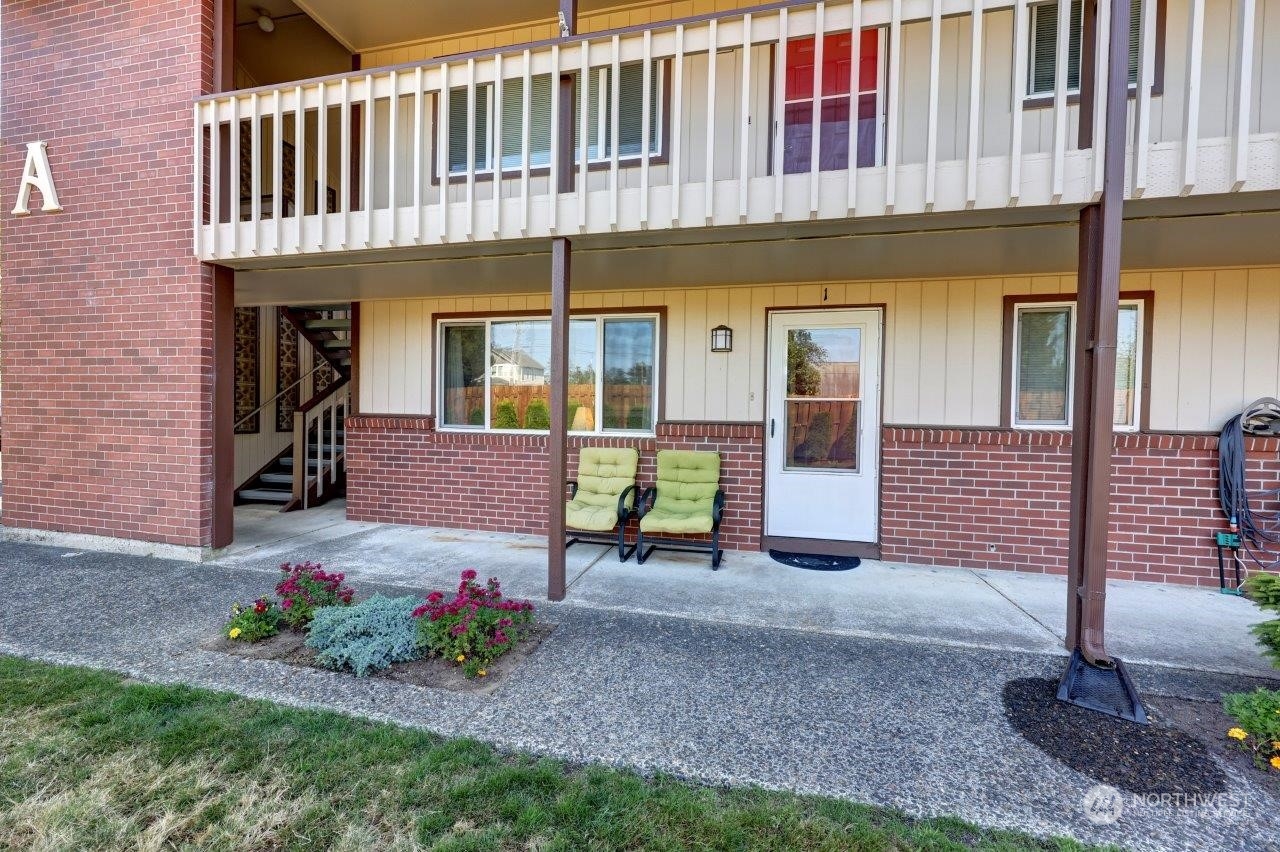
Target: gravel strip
pixel 902 725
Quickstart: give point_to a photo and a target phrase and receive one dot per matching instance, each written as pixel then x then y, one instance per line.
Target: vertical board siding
pixel 1215 344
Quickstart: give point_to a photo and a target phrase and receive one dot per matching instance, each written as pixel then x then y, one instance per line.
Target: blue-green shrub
pixel 366 637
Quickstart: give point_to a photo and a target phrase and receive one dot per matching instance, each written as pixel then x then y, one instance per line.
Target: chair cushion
pixel 662 521
pixel 687 482
pixel 603 474
pixel 584 516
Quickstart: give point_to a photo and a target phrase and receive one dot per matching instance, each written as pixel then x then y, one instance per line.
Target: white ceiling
pixel 373 24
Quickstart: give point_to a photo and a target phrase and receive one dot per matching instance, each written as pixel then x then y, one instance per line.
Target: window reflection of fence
pixel 1050 407
pixel 625 406
pixel 822 434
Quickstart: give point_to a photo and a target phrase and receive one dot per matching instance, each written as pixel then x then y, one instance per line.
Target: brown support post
pixel 561 257
pixel 564 127
pixel 558 440
pixel 1097 313
pixel 222 510
pixel 224 372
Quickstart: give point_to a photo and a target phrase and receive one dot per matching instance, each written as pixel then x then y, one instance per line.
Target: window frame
pixel 1043 100
pixel 1145 302
pixel 487 319
pixel 440 161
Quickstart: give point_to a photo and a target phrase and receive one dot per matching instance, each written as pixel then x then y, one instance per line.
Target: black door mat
pixel 815 561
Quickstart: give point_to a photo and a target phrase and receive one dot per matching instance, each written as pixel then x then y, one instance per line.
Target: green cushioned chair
pixel 687 499
pixel 603 497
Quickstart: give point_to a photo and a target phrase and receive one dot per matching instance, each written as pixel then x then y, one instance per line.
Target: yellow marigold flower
pixel 1238 734
pixel 235 633
pixel 482 673
pixel 1275 763
pixel 461 658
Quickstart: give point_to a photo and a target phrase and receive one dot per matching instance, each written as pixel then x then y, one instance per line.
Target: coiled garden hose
pixel 1259 529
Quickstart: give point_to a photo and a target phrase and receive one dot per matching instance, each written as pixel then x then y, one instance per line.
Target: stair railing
pixel 326 409
pixel 271 401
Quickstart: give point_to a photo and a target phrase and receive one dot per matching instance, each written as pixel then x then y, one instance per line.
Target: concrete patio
pixel 1181 627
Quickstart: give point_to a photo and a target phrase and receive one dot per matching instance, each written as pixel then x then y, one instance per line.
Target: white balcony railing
pixel 359 161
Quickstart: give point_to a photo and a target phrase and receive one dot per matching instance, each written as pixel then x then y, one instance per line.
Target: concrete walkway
pixel 1175 626
pixel 832 684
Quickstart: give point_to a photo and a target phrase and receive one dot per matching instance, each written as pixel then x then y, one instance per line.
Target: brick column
pixel 108 318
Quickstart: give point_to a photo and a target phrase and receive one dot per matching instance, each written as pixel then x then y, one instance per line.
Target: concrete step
pixel 277 478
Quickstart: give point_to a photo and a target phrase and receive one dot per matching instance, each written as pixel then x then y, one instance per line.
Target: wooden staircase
pixel 312 469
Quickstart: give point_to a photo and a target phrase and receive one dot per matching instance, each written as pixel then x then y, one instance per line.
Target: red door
pixel 833 147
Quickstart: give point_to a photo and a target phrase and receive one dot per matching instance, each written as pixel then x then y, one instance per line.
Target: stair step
pixel 277 478
pixel 335 343
pixel 308 308
pixel 328 324
pixel 266 495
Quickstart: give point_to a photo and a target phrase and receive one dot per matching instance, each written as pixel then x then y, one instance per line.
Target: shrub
pixel 253 623
pixel 366 637
pixel 1258 714
pixel 817 441
pixel 1264 589
pixel 475 628
pixel 476 417
pixel 638 417
pixel 1268 633
pixel 504 416
pixel 537 415
pixel 306 587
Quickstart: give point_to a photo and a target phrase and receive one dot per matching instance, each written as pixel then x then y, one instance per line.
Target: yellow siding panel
pixel 1215 344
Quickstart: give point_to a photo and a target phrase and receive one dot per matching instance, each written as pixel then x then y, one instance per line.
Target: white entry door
pixel 822 425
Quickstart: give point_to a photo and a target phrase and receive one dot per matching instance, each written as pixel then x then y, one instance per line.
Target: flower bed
pixel 465 641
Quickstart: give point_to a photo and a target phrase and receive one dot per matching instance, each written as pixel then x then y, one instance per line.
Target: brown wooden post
pixel 558 440
pixel 1097 313
pixel 564 127
pixel 222 405
pixel 561 259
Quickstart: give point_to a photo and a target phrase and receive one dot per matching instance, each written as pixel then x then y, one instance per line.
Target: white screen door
pixel 822 425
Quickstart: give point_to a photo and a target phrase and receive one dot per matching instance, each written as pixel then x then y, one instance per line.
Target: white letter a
pixel 36 175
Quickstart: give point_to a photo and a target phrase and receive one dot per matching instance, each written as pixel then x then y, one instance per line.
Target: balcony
pixel 961 105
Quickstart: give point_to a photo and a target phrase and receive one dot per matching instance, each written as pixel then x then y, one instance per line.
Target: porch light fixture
pixel 722 339
pixel 265 23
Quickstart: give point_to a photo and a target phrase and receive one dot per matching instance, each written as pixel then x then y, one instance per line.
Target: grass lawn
pixel 90 762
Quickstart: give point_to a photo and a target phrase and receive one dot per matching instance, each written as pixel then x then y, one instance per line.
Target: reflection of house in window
pixel 515 367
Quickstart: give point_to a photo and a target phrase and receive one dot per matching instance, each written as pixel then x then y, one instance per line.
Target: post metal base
pixel 1103 690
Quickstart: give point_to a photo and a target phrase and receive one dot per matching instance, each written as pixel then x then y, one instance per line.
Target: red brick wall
pixel 107 323
pixel 401 470
pixel 950 495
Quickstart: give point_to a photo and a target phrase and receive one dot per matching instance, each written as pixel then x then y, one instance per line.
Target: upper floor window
pixel 510 148
pixel 496 373
pixel 1042 70
pixel 833 103
pixel 1043 362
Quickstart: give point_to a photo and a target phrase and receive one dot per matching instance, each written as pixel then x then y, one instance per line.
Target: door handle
pixel 772 422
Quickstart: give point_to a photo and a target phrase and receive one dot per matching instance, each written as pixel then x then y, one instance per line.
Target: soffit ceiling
pixel 373 24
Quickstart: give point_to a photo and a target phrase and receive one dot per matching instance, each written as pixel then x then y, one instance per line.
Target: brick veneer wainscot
pixel 949 493
pixel 402 470
pixel 107 325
